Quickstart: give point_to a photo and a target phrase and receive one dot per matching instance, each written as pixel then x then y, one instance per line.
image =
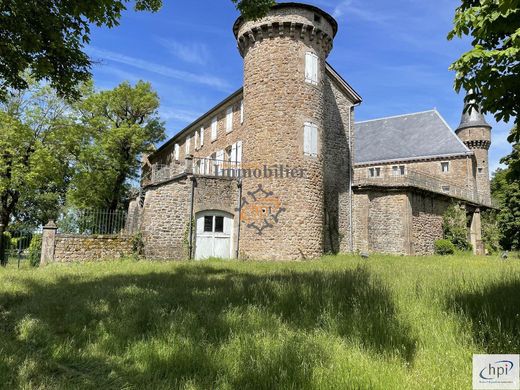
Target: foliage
pixel 138 244
pixel 491 68
pixel 454 226
pixel 505 188
pixel 336 323
pixel 38 138
pixel 491 231
pixel 253 9
pixel 48 38
pixel 121 124
pixel 444 247
pixel 35 248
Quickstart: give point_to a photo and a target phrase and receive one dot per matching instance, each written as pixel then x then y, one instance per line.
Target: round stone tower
pixel 475 132
pixel 284 71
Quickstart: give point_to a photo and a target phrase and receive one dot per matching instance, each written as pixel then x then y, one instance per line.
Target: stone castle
pixel 280 170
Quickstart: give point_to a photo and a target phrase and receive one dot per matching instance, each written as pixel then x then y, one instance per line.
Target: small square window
pixel 219 224
pixel 317 18
pixel 445 167
pixel 446 189
pixel 208 223
pixel 374 172
pixel 480 170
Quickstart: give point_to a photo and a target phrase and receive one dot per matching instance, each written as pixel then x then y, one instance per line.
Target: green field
pixel 340 322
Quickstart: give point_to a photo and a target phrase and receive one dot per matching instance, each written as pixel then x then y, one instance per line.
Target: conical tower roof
pixel 472 117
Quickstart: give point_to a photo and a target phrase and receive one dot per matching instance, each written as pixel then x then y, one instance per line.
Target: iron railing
pixel 96 222
pixel 214 167
pixel 388 177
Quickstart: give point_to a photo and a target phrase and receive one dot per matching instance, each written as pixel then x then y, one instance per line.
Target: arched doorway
pixel 214 230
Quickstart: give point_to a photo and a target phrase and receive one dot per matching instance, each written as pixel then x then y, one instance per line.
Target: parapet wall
pixel 69 247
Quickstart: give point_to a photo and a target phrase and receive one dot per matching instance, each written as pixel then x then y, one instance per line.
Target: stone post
pixel 189 164
pixel 48 243
pixel 476 233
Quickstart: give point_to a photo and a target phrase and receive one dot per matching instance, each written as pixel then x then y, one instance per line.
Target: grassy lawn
pixel 340 322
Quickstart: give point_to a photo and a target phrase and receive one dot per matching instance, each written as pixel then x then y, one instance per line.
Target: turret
pixel 284 76
pixel 475 132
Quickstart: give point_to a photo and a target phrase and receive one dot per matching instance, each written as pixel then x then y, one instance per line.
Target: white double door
pixel 214 231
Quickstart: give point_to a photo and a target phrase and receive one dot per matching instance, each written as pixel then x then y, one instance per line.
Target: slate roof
pixel 405 137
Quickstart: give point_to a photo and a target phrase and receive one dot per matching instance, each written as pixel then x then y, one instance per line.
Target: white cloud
pixel 159 69
pixel 347 7
pixel 178 114
pixel 194 53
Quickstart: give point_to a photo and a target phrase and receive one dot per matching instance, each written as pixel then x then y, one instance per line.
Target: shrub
pixel 444 247
pixel 490 231
pixel 455 227
pixel 35 249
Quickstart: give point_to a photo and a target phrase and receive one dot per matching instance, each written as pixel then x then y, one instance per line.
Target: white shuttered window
pixel 310 139
pixel 229 119
pixel 311 68
pixel 188 144
pixel 214 129
pixel 241 112
pixel 202 136
pixel 176 152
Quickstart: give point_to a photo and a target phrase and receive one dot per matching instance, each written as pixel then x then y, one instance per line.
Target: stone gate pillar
pixel 48 243
pixel 476 233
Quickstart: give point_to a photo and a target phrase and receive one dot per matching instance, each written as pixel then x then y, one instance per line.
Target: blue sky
pixel 395 54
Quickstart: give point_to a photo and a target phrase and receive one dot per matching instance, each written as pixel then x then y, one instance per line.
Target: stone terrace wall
pixel 427 212
pixel 69 247
pixel 165 220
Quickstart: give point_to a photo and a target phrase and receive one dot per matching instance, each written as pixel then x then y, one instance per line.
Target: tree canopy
pixel 491 68
pixel 47 37
pixel 38 139
pixel 121 124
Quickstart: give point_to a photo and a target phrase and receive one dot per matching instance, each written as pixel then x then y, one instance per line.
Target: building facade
pixel 279 170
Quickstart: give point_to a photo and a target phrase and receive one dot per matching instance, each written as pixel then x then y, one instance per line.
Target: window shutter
pixel 229 119
pixel 314 69
pixel 202 136
pixel 203 166
pixel 308 67
pixel 314 140
pixel 176 152
pixel 311 68
pixel 188 144
pixel 239 152
pixel 234 153
pixel 310 139
pixel 214 129
pixel 307 139
pixel 241 112
pixel 219 162
pixel 196 140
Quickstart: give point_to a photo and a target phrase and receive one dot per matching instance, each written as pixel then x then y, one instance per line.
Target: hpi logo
pixel 496 372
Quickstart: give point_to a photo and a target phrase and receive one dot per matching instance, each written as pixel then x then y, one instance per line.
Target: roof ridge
pixel 397 116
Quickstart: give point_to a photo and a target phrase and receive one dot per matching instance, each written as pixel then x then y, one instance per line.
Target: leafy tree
pixel 122 124
pixel 491 235
pixel 48 37
pixel 454 226
pixel 491 68
pixel 505 188
pixel 37 138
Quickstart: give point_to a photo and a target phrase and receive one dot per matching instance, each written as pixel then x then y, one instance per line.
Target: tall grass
pixel 340 322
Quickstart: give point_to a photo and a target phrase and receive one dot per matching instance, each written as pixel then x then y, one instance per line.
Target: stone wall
pixel 427 212
pixel 69 247
pixel 337 168
pixel 382 222
pixel 165 219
